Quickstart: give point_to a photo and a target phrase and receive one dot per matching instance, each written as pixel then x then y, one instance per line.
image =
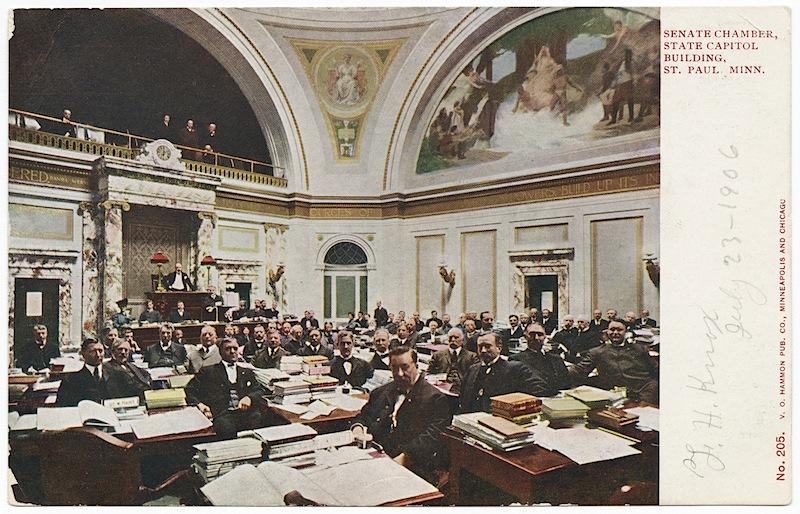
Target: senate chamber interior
pixel 344 256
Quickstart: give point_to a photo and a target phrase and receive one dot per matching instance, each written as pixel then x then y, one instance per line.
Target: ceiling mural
pixel 345 77
pixel 556 82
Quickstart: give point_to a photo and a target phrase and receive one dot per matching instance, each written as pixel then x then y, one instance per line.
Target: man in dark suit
pixel 434 317
pixel 381 316
pixel 166 353
pixel 549 323
pixel 179 314
pixel 534 316
pixel 585 340
pixel 178 280
pixel 227 394
pixel 295 341
pixel 328 335
pixel 598 324
pixel 90 382
pixel 187 136
pixel 418 324
pixel 564 338
pixel 256 344
pixel 549 366
pixel 646 321
pixel 150 314
pixel 259 310
pixel 36 354
pixel 165 130
pixel 515 330
pixel 270 357
pixel 404 336
pixel 407 416
pixel 314 345
pixel 380 343
pixel 621 363
pixel 207 354
pixel 124 378
pixel 272 313
pixel 495 376
pixel 471 336
pixel 455 360
pixel 347 368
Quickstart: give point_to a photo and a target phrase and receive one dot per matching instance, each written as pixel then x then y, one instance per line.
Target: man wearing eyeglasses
pixel 549 366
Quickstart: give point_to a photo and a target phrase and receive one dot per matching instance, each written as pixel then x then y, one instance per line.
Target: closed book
pixel 612 418
pixel 505 427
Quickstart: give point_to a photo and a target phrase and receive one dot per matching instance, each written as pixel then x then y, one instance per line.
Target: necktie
pixel 97 374
pixel 454 355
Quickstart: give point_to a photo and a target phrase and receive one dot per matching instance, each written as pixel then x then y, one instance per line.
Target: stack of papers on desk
pixel 68 364
pixel 292 391
pixel 648 417
pixel 181 421
pixel 51 386
pixel 87 412
pixel 215 459
pixel 165 398
pixel 360 483
pixel 161 373
pixel 291 364
pixel 267 377
pixel 474 424
pixel 594 397
pixel 179 381
pixel 379 378
pixel 584 445
pixel 281 434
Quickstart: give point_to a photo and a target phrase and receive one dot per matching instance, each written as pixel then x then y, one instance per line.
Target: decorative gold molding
pixel 277 226
pixel 115 204
pixel 87 208
pixel 280 89
pixel 50 176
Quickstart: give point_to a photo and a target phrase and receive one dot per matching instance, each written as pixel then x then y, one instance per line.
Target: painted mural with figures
pixel 561 80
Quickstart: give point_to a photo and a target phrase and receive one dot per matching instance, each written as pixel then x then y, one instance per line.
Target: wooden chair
pixel 85 466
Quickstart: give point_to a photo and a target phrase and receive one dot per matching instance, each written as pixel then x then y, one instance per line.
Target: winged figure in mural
pixel 347 82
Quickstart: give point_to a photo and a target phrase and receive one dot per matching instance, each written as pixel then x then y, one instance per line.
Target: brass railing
pixel 130 149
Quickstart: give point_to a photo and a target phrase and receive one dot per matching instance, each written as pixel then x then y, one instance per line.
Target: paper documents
pixel 62 418
pixel 648 417
pixel 181 421
pixel 584 445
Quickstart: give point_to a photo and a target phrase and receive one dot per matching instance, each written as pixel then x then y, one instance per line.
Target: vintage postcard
pixel 399 255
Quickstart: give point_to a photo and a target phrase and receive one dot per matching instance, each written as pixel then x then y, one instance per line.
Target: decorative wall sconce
pixel 275 276
pixel 159 259
pixel 653 268
pixel 449 277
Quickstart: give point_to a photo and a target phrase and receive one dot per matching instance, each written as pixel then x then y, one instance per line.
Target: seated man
pixel 127 334
pixel 178 280
pixel 549 366
pixel 328 335
pixel 646 321
pixel 227 394
pixel 36 354
pixel 207 354
pixel 495 376
pixel 110 335
pixel 314 345
pixel 455 361
pixel 177 336
pixel 124 378
pixel 179 314
pixel 256 344
pixel 564 339
pixel 295 341
pixel 380 342
pixel 407 416
pixel 584 340
pixel 515 330
pixel 149 314
pixel 621 363
pixel 167 353
pixel 237 313
pixel 259 310
pixel 90 382
pixel 272 313
pixel 470 335
pixel 345 367
pixel 270 357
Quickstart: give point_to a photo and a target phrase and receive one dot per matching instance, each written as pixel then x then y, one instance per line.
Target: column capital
pixel 277 226
pixel 115 204
pixel 86 207
pixel 208 215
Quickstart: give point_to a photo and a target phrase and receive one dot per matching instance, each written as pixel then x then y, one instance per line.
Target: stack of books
pixel 316 365
pixel 292 364
pixel 493 431
pixel 521 408
pixel 613 418
pixel 321 386
pixel 564 408
pixel 291 391
pixel 215 459
pixel 165 398
pixel 594 397
pixel 269 376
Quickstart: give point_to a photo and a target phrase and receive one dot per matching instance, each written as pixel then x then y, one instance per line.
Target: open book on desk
pixel 182 421
pixel 360 483
pixel 87 412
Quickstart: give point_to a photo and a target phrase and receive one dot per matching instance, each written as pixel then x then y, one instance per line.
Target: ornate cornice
pixel 277 226
pixel 115 204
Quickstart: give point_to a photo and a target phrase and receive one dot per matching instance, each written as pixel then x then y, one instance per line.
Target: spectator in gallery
pixel 67 127
pixel 178 280
pixel 208 156
pixel 165 130
pixel 188 137
pixel 149 314
pixel 36 354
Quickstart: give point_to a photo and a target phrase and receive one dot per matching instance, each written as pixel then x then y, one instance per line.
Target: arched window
pixel 345 282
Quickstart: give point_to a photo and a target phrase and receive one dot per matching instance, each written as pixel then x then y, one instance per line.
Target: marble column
pixel 277 288
pixel 91 306
pixel 205 246
pixel 111 257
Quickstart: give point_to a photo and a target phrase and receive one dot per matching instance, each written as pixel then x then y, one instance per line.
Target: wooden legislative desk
pixel 194 302
pixel 536 475
pixel 336 421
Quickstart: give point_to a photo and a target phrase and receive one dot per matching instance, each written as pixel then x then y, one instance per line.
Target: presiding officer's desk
pixel 536 475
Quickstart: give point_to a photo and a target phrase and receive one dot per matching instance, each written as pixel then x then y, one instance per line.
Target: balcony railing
pixel 31 128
